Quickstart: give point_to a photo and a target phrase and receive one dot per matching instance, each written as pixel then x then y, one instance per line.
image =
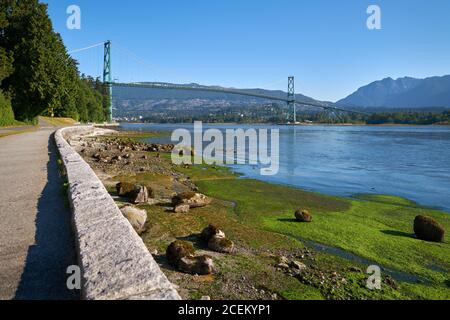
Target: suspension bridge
pixel 290 98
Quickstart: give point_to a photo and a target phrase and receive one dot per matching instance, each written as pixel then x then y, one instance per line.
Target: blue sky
pixel 325 44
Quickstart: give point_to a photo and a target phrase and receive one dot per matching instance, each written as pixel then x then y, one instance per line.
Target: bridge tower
pixel 291 96
pixel 107 75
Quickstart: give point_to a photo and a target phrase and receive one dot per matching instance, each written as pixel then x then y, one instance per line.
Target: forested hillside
pixel 37 75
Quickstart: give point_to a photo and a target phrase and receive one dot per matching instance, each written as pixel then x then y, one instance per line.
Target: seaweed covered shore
pixel 274 256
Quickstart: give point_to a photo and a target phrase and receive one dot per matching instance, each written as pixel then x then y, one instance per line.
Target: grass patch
pixel 14 124
pixel 14 132
pixel 379 232
pixel 58 122
pixel 378 228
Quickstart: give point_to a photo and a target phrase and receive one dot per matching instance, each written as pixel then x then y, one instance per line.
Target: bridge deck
pixel 170 86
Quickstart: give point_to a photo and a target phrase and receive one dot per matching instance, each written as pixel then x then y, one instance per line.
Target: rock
pixel 428 229
pixel 211 231
pixel 283 260
pixel 282 265
pixel 355 269
pixel 136 217
pixel 124 188
pixel 180 254
pixel 303 216
pixel 194 200
pixel 206 298
pixel 178 250
pixel 216 239
pixel 141 195
pixel 181 208
pixel 298 265
pixel 390 282
pixel 201 265
pixel 135 193
pixel 221 244
pixel 180 198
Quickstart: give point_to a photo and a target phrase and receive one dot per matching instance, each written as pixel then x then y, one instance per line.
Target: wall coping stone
pixel 114 261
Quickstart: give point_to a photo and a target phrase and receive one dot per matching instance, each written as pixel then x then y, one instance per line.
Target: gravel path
pixel 36 242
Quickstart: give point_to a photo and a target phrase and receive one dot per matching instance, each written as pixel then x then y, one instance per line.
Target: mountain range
pixel 402 93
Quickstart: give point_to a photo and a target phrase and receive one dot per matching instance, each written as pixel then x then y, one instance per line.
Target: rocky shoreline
pixel 146 185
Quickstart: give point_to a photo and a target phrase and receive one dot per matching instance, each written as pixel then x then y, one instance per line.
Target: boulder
pixel 181 198
pixel 221 244
pixel 282 265
pixel 283 259
pixel 182 208
pixel 194 200
pixel 135 193
pixel 303 216
pixel 125 188
pixel 200 265
pixel 135 216
pixel 178 250
pixel 181 254
pixel 211 231
pixel 298 265
pixel 216 240
pixel 428 229
pixel 141 195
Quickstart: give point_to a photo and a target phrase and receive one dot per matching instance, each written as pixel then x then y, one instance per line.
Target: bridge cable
pixel 86 48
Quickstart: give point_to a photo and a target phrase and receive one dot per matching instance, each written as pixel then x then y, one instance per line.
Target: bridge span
pixel 241 92
pixel 290 98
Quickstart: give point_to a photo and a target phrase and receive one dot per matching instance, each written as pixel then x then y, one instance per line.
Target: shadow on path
pixel 44 276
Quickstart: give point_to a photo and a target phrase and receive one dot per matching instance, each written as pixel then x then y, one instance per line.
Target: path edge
pixel 114 261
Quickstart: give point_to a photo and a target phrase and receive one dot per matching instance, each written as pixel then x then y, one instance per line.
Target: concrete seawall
pixel 114 262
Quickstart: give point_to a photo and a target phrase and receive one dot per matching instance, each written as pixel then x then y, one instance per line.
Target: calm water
pixel 412 162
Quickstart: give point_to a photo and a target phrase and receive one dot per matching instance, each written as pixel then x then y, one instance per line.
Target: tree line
pixel 37 75
pixel 388 117
pixel 277 114
pixel 281 116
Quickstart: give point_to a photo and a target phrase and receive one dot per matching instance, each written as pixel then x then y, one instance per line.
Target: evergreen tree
pixel 41 62
pixel 6 68
pixel 38 73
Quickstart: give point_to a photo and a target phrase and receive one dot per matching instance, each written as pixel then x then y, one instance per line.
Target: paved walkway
pixel 36 242
pixel 12 129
